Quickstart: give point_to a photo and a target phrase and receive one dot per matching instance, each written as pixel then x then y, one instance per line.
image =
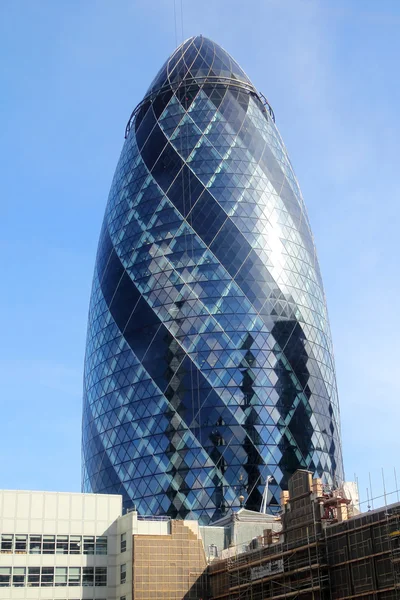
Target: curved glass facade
pixel 209 362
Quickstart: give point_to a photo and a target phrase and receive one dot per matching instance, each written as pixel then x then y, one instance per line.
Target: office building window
pixel 88 544
pixel 5 576
pixel 74 576
pixel 88 576
pixel 6 543
pixel 101 545
pixel 33 576
pixel 21 542
pixel 50 576
pixel 75 544
pixel 35 544
pixel 101 576
pixel 123 542
pixel 123 573
pixel 47 579
pixel 49 544
pixel 62 544
pixel 19 577
pixel 61 576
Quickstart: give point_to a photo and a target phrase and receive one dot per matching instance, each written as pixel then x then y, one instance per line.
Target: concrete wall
pixel 220 537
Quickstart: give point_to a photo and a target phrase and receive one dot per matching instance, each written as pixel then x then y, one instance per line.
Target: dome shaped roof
pixel 198 58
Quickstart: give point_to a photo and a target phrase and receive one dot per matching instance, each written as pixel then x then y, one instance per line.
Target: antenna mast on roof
pixel 263 509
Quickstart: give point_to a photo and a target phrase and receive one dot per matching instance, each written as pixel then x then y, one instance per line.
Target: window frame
pixel 23 539
pixel 35 538
pixel 47 577
pixel 62 544
pixel 88 571
pixel 101 545
pixel 33 579
pixel 48 544
pixel 74 576
pixel 6 582
pixel 122 573
pixel 75 544
pixel 100 577
pixel 63 574
pixel 7 543
pixel 89 542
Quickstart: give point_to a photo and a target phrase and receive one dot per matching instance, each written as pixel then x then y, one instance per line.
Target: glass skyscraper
pixel 209 363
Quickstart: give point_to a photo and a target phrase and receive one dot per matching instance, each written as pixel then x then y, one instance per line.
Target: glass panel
pixel 35 544
pixel 5 576
pixel 7 543
pixel 62 544
pixel 20 544
pixel 75 544
pixel 123 542
pixel 74 576
pixel 33 576
pixel 47 576
pixel 61 576
pixel 19 576
pixel 101 545
pixel 101 576
pixel 49 544
pixel 88 576
pixel 123 573
pixel 88 545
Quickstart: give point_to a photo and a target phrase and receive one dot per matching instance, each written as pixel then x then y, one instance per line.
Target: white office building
pixel 64 546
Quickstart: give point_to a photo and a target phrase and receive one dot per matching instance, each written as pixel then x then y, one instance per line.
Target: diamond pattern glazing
pixel 209 363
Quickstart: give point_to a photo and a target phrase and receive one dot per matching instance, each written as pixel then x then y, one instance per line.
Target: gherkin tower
pixel 209 363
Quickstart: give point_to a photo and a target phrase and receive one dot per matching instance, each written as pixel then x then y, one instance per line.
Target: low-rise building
pixel 61 546
pixel 71 546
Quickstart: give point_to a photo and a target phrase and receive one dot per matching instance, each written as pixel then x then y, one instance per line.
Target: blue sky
pixel 71 73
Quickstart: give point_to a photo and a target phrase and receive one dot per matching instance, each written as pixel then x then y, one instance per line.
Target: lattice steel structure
pixel 209 362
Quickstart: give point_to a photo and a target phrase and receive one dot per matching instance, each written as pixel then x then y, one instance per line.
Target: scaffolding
pixel 393 527
pixel 326 552
pixel 363 555
pixel 277 571
pixel 295 567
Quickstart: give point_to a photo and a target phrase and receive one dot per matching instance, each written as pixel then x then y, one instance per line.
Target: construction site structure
pixel 326 550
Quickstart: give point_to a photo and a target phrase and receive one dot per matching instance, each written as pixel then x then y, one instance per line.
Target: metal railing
pixel 153 518
pixel 198 82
